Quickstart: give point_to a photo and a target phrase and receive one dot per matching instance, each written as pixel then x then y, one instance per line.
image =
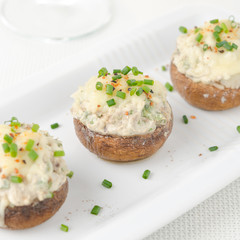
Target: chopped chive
pixel 99 86
pixel 106 183
pixel 148 81
pixel 135 71
pixel 233 24
pixel 139 91
pixel 117 70
pixel 139 83
pixel 59 153
pixel 213 148
pixel 133 90
pixel 231 18
pixel 234 45
pixel 220 44
pixel 183 29
pixel 121 94
pixel 238 128
pixel 13 150
pixel 5 147
pixel 29 145
pixel 109 89
pixel 115 77
pixel 33 155
pixel 227 46
pixel 146 89
pixel 218 29
pixel 224 27
pixel 164 68
pixel 111 102
pixel 8 138
pixel 50 195
pixel 185 119
pixel 216 36
pixel 132 82
pixel 70 174
pixel 16 179
pixel 197 30
pixel 35 127
pixel 54 125
pixel 146 174
pixel 96 209
pixel 199 37
pixel 102 72
pixel 214 21
pixel 168 86
pixel 205 47
pixel 64 228
pixel 126 70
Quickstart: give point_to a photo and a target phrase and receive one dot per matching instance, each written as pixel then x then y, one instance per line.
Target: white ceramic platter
pixel 180 178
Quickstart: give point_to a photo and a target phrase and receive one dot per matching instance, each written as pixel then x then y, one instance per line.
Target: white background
pixel 218 218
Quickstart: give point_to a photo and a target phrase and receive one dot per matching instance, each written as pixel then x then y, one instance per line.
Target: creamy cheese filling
pixel 134 115
pixel 40 177
pixel 212 65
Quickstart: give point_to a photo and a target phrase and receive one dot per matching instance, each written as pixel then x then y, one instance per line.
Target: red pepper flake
pixel 215 49
pixel 193 117
pixel 98 105
pixel 230 30
pixel 126 113
pixel 20 175
pixel 3 176
pixel 151 103
pixel 17 160
pixel 201 42
pixel 11 134
pixel 103 77
pixel 146 76
pixel 16 170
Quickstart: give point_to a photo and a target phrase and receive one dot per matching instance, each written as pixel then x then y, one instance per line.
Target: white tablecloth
pixel 218 218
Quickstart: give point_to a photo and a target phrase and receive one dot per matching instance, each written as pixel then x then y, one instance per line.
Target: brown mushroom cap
pixel 122 149
pixel 21 217
pixel 202 95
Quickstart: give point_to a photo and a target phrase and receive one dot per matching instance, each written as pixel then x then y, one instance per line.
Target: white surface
pixel 21 58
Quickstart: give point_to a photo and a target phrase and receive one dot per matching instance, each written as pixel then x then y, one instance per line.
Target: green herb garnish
pixel 102 72
pixel 29 145
pixel 146 174
pixel 64 228
pixel 126 70
pixel 139 91
pixel 214 148
pixel 35 127
pixel 106 183
pixel 33 155
pixel 214 21
pixel 199 37
pixel 238 128
pixel 133 90
pixel 59 154
pixel 168 86
pixel 6 147
pixel 132 82
pixel 111 102
pixel 148 81
pixel 185 119
pixel 96 209
pixel 135 71
pixel 16 179
pixel 99 86
pixel 183 29
pixel 216 36
pixel 8 138
pixel 146 89
pixel 121 94
pixel 13 150
pixel 109 89
pixel 70 174
pixel 224 27
pixel 117 70
pixel 115 77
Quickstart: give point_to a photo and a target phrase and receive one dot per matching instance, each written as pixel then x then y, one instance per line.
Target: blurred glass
pixel 58 20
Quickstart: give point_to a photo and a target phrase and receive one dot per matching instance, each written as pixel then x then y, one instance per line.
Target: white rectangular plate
pixel 180 178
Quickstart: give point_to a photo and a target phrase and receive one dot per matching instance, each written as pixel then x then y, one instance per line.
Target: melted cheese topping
pixel 215 66
pixel 40 178
pixel 134 115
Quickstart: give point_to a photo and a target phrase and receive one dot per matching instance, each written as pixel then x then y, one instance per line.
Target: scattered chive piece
pixel 59 153
pixel 139 83
pixel 106 183
pixel 148 81
pixel 199 37
pixel 205 47
pixel 185 119
pixel 35 127
pixel 214 21
pixel 218 29
pixel 96 209
pixel 16 179
pixel 33 155
pixel 214 148
pixel 183 29
pixel 54 125
pixel 102 72
pixel 146 174
pixel 238 128
pixel 117 71
pixel 99 86
pixel 231 18
pixel 126 70
pixel 133 90
pixel 132 82
pixel 135 71
pixel 196 30
pixel 13 150
pixel 109 89
pixel 111 102
pixel 233 24
pixel 50 195
pixel 5 147
pixel 30 144
pixel 70 174
pixel 64 228
pixel 216 36
pixel 121 94
pixel 227 46
pixel 220 44
pixel 146 89
pixel 234 45
pixel 164 68
pixel 8 138
pixel 224 27
pixel 115 77
pixel 168 86
pixel 139 91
